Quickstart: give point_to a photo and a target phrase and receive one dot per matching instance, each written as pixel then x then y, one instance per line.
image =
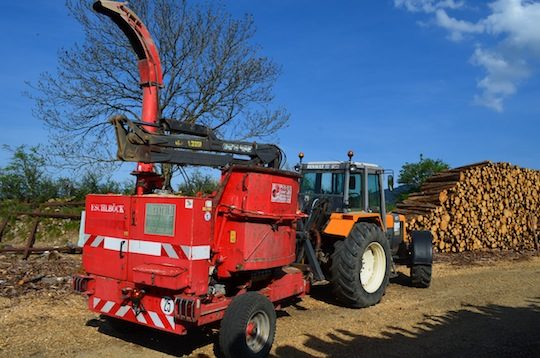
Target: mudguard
pixel 421 248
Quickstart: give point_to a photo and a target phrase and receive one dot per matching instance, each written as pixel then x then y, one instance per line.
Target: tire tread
pixel 421 276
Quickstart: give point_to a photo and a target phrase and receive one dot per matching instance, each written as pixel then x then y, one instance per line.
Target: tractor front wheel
pixel 361 266
pixel 248 327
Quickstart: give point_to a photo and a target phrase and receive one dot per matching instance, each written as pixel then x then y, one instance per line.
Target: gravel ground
pixel 485 305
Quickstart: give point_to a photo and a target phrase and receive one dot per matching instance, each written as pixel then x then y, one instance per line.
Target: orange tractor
pixel 349 239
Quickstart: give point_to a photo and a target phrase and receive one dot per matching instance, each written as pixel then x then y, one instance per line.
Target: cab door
pixel 106 235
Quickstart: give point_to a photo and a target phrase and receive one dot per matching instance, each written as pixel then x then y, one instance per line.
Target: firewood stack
pixel 476 207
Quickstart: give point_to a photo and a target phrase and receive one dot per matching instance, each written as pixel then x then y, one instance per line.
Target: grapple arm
pixel 178 143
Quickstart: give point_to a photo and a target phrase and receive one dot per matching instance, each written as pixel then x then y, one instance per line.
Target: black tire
pixel 347 262
pixel 421 276
pixel 249 311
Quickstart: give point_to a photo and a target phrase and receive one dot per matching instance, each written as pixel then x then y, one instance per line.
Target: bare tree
pixel 213 75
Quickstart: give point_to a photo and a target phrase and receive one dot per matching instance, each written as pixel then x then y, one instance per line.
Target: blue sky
pixel 453 80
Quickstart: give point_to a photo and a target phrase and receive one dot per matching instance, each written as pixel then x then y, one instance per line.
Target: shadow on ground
pixel 486 331
pixel 324 292
pixel 479 331
pixel 153 339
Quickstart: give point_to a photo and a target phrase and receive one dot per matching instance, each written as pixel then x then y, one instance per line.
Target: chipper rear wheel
pixel 248 327
pixel 361 266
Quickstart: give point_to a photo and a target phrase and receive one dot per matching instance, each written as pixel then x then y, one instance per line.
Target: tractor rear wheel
pixel 248 327
pixel 361 265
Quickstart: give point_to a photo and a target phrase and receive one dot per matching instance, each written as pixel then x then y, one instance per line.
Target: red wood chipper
pixel 173 262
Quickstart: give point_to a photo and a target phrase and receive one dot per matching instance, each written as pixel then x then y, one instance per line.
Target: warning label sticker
pixel 281 193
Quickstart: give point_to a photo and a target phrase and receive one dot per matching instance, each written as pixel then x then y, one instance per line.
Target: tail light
pixel 80 283
pixel 187 309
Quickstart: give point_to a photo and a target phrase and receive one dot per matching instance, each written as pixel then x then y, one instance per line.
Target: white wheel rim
pixel 373 267
pixel 258 331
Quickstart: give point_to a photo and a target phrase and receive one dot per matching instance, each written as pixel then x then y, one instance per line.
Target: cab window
pixel 308 182
pixel 356 199
pixel 374 193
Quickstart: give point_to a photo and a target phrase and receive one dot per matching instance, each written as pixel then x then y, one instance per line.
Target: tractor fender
pixel 421 248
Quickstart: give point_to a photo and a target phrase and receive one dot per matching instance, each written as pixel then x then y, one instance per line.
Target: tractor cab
pixel 347 186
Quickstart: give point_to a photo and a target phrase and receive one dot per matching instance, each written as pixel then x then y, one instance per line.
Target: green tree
pixel 24 178
pixel 213 75
pixel 94 183
pixel 415 174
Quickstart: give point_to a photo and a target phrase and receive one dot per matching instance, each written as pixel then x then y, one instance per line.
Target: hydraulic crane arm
pixel 155 140
pixel 150 73
pixel 179 143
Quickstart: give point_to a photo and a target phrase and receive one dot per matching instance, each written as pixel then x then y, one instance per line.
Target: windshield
pixel 322 183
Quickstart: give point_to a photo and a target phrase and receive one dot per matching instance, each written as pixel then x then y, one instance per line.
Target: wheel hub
pixel 257 331
pixel 251 329
pixel 373 268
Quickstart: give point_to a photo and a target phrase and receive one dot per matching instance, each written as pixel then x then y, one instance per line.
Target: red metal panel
pixel 185 248
pixel 274 192
pixel 291 283
pixel 107 218
pixel 268 246
pixel 164 276
pixel 257 246
pixel 107 299
pixel 255 224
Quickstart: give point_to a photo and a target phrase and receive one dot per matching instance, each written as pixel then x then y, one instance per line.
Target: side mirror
pixel 390 182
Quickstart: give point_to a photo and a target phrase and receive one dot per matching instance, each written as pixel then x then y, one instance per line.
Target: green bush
pixel 415 174
pixel 25 179
pixel 198 183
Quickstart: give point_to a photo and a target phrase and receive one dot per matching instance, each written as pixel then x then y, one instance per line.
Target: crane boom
pixel 180 143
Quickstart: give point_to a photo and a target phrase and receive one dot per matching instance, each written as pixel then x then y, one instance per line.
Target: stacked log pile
pixel 480 206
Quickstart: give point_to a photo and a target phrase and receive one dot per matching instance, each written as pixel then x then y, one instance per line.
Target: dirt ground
pixel 477 306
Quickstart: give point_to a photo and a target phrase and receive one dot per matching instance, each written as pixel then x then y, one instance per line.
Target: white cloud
pixel 427 6
pixel 518 20
pixel 457 27
pixel 515 24
pixel 501 79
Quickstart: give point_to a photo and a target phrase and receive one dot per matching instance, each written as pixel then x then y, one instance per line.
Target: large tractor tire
pixel 361 266
pixel 248 327
pixel 421 250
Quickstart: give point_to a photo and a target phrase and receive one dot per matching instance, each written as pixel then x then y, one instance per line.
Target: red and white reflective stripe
pixel 94 241
pixel 196 252
pixel 170 250
pixel 152 248
pixel 156 319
